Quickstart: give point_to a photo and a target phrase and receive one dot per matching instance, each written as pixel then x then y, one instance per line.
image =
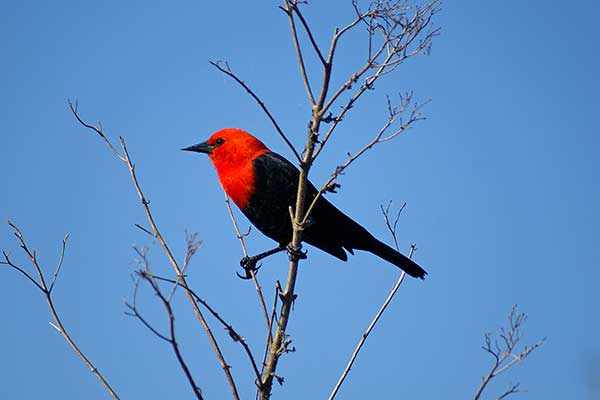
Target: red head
pixel 232 151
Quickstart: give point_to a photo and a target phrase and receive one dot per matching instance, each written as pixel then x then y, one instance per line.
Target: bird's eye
pixel 219 141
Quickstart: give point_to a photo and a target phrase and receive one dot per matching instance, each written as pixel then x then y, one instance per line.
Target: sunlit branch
pixel 394 114
pixel 251 271
pixel 146 275
pixel 235 336
pixel 155 232
pixel 289 9
pixel 503 352
pixel 392 228
pixel 47 292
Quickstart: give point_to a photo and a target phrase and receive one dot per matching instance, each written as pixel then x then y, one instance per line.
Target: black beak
pixel 203 147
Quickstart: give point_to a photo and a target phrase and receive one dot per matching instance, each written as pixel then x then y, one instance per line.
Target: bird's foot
pixel 296 254
pixel 249 266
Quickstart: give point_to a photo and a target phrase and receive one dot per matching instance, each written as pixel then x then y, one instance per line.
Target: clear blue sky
pixel 502 185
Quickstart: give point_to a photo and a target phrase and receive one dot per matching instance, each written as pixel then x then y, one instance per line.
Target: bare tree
pixel 394 31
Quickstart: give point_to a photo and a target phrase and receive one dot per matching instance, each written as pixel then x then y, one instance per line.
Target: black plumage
pixel 329 229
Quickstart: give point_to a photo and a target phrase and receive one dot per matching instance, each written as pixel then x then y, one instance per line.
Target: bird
pixel 263 185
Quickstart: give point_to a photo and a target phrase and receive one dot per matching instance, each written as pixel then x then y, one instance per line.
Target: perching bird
pixel 264 185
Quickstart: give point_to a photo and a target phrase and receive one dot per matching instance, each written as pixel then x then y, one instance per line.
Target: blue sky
pixel 501 182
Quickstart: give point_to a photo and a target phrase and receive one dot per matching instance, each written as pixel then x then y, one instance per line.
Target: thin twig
pixel 392 227
pixel 504 356
pixel 147 276
pixel 361 342
pixel 227 71
pixel 230 330
pixel 257 286
pixel 140 227
pixel 272 319
pixel 192 245
pixel 60 262
pixel 98 130
pixel 511 390
pixel 289 10
pixel 393 48
pixel 7 261
pixel 308 31
pixel 156 233
pixel 41 284
pixel 134 312
pixel 394 115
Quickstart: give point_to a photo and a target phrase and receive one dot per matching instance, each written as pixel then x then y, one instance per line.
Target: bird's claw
pixel 247 262
pixel 249 266
pixel 244 277
pixel 296 254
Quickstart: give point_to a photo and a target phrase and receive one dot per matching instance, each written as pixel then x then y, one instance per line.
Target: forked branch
pixel 250 271
pixel 155 232
pixel 395 114
pixel 233 334
pixel 392 227
pixel 145 274
pixel 46 290
pixel 289 8
pixel 504 352
pixel 391 35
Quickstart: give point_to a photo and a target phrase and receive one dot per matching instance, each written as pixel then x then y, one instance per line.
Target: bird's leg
pixel 296 254
pixel 249 263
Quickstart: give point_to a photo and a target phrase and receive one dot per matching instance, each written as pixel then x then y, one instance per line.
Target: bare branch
pixel 395 114
pixel 361 342
pixel 392 227
pixel 235 336
pixel 156 233
pixel 147 276
pixel 57 324
pixel 272 320
pixel 227 71
pixel 60 262
pixel 289 9
pixel 134 312
pixel 252 273
pixel 7 261
pixel 504 355
pixel 193 244
pixel 383 18
pixel 308 31
pixel 141 228
pixel 511 390
pixel 97 129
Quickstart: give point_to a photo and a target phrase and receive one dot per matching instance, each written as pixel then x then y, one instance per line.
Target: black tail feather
pixel 401 261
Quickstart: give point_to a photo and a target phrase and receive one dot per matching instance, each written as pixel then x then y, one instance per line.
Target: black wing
pixel 329 229
pixel 275 191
